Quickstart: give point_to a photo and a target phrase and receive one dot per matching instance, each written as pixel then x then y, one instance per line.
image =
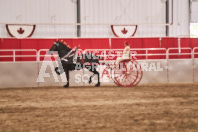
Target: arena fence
pixel 139 53
pixel 16 54
pixel 176 67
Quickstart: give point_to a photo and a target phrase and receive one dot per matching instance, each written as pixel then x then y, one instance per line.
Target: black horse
pixel 71 61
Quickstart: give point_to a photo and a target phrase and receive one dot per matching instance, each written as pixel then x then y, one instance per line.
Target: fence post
pixel 179 46
pixel 146 54
pixel 14 59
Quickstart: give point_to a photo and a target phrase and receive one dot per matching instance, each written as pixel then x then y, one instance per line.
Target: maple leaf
pixel 20 31
pixel 124 31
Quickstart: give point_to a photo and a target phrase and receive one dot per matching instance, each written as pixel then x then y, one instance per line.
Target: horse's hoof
pixel 97 85
pixel 56 70
pixel 90 81
pixel 66 86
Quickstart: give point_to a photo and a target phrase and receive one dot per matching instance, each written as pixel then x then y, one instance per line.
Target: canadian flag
pixel 124 31
pixel 20 31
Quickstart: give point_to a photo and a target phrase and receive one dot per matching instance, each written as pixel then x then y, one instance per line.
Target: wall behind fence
pixel 53 12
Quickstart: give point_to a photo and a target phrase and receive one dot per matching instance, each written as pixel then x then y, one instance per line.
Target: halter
pixel 68 54
pixel 56 44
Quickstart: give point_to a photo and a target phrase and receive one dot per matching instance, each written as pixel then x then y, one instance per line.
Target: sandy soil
pixel 110 109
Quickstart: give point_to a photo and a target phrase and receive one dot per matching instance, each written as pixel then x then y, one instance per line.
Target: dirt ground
pixel 109 109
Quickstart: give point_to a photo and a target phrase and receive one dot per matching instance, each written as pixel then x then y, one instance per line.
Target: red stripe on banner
pixel 151 43
pixel 169 43
pixel 98 43
pixel 29 44
pixel 45 44
pixel 91 43
pixel 194 42
pixel 9 43
pixel 185 42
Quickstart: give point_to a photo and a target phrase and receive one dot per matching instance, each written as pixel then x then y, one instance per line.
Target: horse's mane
pixel 64 45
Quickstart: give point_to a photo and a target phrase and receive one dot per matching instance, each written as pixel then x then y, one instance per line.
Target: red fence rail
pixel 108 54
pixel 172 45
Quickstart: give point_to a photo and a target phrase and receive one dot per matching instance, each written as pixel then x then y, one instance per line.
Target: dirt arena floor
pixel 152 108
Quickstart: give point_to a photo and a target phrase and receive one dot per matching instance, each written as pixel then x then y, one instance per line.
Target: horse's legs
pixel 90 78
pixel 56 70
pixel 67 76
pixel 95 73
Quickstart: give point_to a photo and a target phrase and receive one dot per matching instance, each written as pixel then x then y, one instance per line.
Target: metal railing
pixel 46 55
pixel 14 55
pixel 117 52
pixel 179 52
pixel 195 52
pixel 106 53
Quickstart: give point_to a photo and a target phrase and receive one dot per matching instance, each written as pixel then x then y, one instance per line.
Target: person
pixel 126 53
